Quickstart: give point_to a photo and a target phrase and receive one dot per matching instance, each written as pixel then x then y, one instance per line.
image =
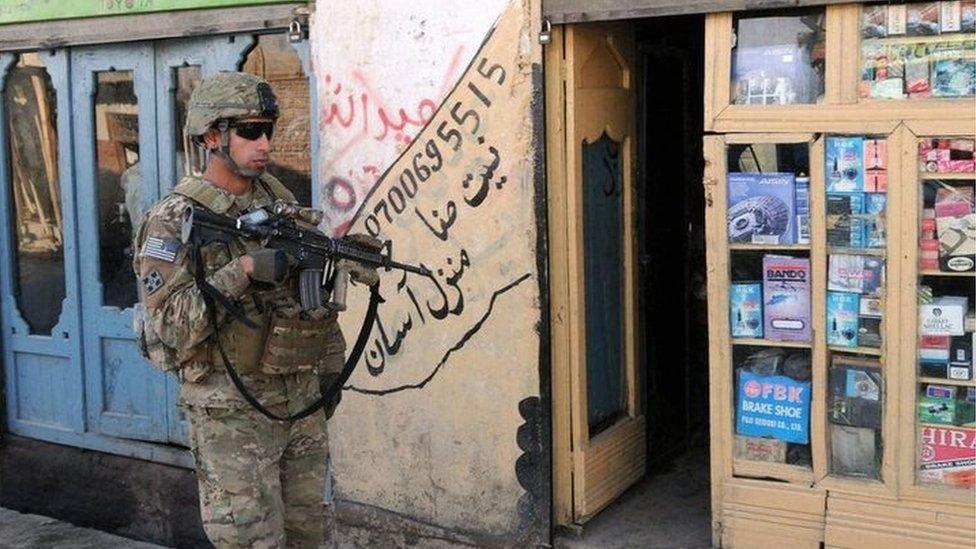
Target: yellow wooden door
pixel 607 419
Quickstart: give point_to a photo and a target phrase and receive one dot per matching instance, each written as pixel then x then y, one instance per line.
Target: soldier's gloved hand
pixel 357 271
pixel 326 381
pixel 268 265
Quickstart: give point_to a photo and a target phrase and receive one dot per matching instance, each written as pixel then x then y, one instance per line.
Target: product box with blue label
pixel 844 168
pixel 786 298
pixel 875 205
pixel 845 219
pixel 746 309
pixel 762 208
pixel 843 310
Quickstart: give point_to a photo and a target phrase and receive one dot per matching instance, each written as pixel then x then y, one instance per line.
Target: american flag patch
pixel 159 248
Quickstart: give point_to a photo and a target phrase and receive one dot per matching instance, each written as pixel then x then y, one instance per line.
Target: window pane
pixel 31 107
pixel 779 59
pixel 856 173
pixel 769 301
pixel 186 80
pixel 118 184
pixel 946 405
pixel 274 60
pixel 919 50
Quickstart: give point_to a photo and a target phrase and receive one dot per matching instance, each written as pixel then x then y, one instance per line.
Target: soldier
pixel 261 481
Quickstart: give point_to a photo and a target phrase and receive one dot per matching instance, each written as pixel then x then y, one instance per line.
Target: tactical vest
pixel 242 345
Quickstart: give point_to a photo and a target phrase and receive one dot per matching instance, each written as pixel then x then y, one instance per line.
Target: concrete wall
pixel 429 119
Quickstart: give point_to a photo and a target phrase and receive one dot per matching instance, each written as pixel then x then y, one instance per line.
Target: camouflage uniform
pixel 261 481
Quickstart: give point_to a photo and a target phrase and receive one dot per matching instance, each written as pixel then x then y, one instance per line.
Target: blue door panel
pixel 42 373
pixel 108 328
pixel 40 380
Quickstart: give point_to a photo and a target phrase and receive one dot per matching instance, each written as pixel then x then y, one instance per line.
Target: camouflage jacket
pixel 177 313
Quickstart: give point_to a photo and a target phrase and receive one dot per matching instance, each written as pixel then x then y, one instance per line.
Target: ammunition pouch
pixel 150 346
pixel 301 341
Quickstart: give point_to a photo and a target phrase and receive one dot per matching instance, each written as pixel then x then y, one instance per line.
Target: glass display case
pixel 946 388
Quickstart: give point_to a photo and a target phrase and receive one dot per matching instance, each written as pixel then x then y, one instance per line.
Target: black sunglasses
pixel 254 130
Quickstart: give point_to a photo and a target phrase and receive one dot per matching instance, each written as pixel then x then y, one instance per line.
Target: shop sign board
pixel 773 406
pixel 22 11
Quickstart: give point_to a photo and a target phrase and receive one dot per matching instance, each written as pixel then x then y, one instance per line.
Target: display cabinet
pixel 841 242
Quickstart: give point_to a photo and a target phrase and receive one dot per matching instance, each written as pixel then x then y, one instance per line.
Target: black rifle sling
pixel 328 394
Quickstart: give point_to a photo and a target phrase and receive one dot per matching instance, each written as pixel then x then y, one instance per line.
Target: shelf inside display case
pixel 756 342
pixel 956 382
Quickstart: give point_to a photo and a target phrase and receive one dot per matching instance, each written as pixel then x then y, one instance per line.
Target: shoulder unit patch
pixel 152 282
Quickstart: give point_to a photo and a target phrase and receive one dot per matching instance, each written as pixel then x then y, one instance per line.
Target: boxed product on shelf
pixel 946 155
pixel 855 392
pixel 786 298
pixel 875 205
pixel 760 449
pixel 862 274
pixel 943 316
pixel 957 243
pixel 874 21
pixel 869 322
pixel 918 77
pixel 946 456
pixel 961 358
pixel 845 220
pixel 843 310
pixel 967 17
pixel 762 208
pixel 745 309
pixel 773 406
pixel 950 17
pixel 953 73
pixel 928 244
pixel 953 201
pixel 802 209
pixel 844 164
pixel 947 405
pixel 853 451
pixel 897 19
pixel 875 165
pixel 770 75
pixel 934 348
pixel 922 18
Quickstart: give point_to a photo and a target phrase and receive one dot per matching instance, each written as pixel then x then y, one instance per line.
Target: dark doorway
pixel 671 226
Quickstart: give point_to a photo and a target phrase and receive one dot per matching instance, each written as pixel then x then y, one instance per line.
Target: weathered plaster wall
pixel 428 139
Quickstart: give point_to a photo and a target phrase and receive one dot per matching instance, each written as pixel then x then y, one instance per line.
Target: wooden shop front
pixel 839 236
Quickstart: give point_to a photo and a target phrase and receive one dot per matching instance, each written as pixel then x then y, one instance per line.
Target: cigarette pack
pixel 844 164
pixel 843 310
pixel 762 208
pixel 745 309
pixel 786 298
pixel 860 274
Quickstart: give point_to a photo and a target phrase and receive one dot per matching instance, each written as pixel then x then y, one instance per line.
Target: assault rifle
pixel 291 229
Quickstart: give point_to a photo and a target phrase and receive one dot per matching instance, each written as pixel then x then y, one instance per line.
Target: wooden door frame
pixel 567 326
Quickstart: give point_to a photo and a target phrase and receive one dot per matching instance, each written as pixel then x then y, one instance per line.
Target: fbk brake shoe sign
pixel 773 406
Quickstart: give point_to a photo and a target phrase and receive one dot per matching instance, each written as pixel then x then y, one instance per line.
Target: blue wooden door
pixel 114 112
pixel 39 293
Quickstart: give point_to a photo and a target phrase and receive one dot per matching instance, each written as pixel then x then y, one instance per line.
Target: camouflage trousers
pixel 261 481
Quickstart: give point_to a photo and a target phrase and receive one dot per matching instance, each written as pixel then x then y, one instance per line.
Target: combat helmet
pixel 220 99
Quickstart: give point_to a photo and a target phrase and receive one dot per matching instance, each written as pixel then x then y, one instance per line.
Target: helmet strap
pixel 223 151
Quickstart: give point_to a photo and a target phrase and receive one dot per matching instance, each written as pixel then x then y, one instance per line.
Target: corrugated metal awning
pixel 577 11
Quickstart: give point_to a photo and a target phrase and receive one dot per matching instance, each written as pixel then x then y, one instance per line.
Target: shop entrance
pixel 630 365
